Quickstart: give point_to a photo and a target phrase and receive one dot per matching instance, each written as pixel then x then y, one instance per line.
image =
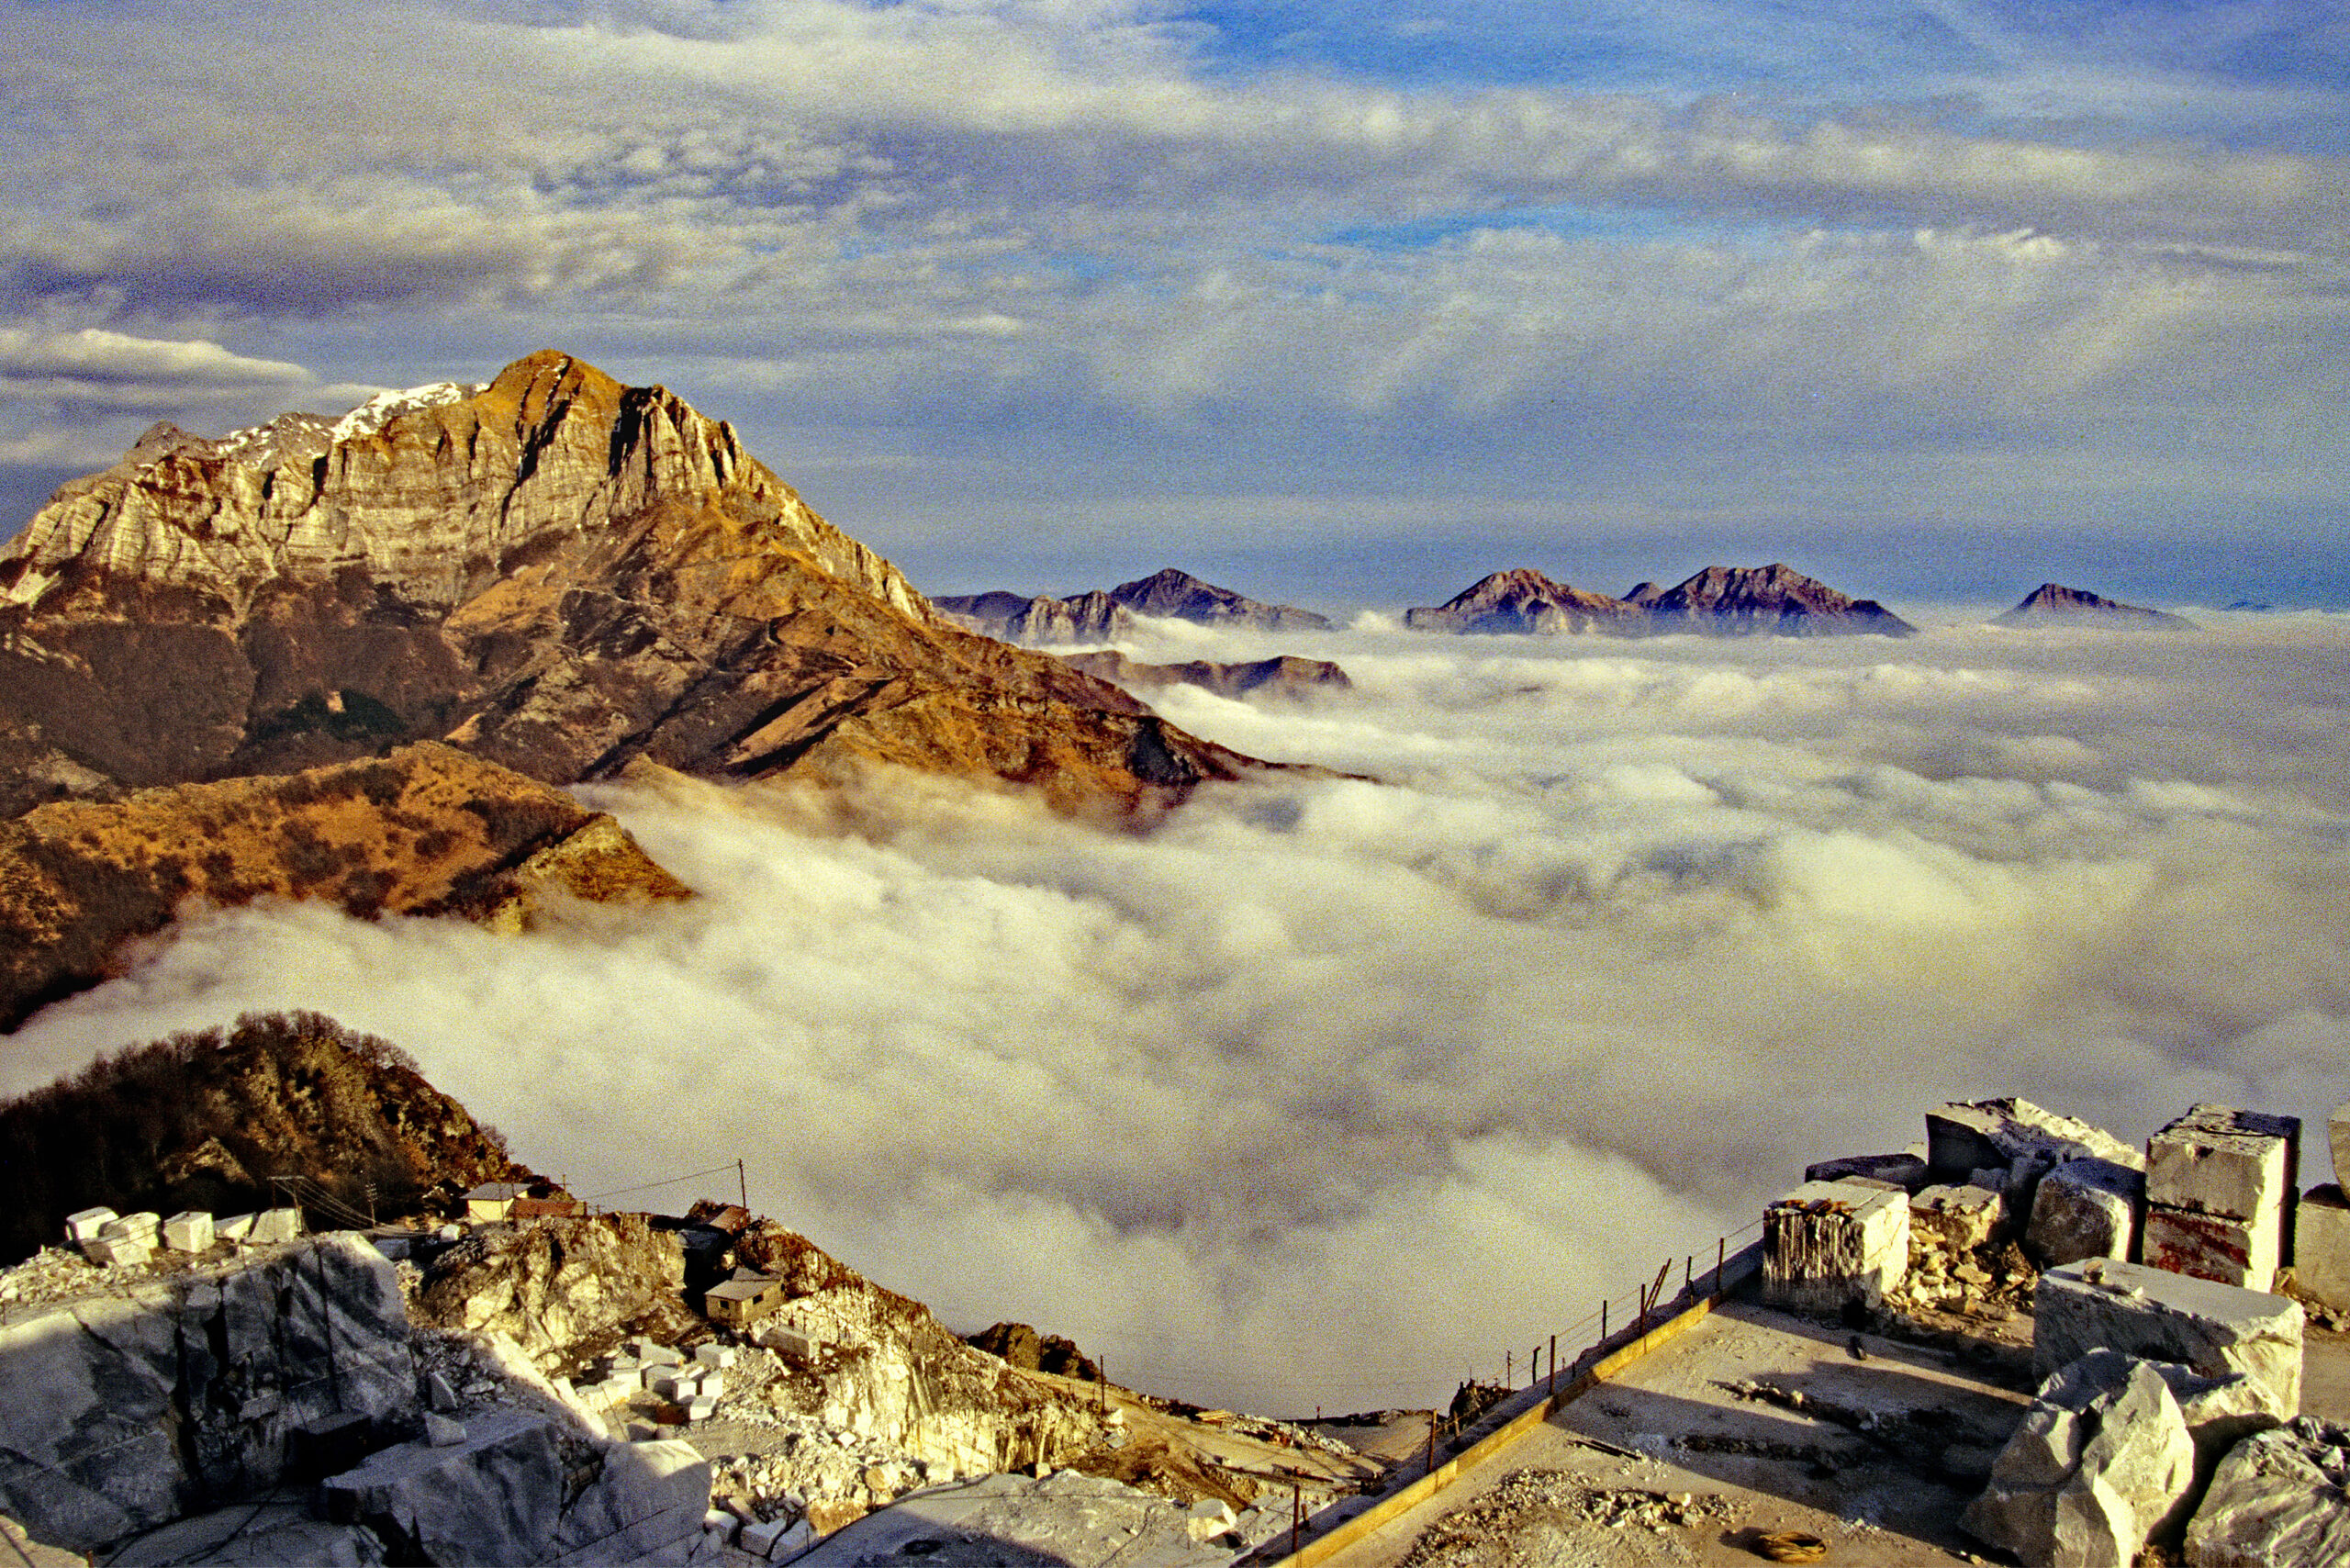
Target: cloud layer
pixel 1326 1092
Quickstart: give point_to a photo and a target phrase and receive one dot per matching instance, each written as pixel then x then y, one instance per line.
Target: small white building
pixel 492 1203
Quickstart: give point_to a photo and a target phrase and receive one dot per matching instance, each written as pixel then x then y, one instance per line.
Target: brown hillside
pixel 203 1121
pixel 426 829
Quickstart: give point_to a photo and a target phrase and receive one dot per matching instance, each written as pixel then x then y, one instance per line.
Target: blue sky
pixel 1349 302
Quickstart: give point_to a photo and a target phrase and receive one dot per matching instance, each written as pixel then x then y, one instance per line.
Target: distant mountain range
pixel 1720 602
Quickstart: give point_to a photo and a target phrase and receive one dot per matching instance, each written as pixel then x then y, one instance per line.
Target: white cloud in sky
pixel 1075 232
pixel 1242 1101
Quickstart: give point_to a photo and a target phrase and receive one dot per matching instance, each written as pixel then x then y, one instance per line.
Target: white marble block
pixel 188 1232
pixel 2322 1256
pixel 2217 1329
pixel 2217 1159
pixel 1829 1245
pixel 2084 1208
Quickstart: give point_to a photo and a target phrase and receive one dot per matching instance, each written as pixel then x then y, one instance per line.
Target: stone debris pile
pixel 1522 1502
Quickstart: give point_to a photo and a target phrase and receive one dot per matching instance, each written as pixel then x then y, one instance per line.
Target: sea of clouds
pixel 1328 1091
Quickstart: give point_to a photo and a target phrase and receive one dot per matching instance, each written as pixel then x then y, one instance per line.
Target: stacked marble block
pixel 2221 1188
pixel 2322 1227
pixel 1832 1245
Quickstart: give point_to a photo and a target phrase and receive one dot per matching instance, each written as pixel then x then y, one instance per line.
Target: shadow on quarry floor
pixel 1898 1437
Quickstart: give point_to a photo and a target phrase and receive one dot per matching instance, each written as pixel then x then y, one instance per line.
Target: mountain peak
pixel 1775 597
pixel 2053 602
pixel 1523 599
pixel 1178 596
pixel 552 570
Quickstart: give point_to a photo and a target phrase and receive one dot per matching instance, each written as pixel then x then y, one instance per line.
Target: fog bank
pixel 1325 1092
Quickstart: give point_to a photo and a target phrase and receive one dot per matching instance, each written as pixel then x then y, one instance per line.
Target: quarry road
pixel 1752 1422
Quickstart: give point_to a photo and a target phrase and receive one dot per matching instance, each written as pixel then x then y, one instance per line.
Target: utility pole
pixel 743 1186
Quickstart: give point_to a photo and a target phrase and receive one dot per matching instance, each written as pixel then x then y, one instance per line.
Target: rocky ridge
pixel 1776 599
pixel 553 572
pixel 1720 602
pixel 1041 621
pixel 1178 596
pixel 425 830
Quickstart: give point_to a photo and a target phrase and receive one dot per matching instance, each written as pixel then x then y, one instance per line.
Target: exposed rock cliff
pixel 1737 600
pixel 560 1287
pixel 895 1374
pixel 1524 601
pixel 555 572
pixel 125 1411
pixel 2053 604
pixel 425 830
pixel 179 1404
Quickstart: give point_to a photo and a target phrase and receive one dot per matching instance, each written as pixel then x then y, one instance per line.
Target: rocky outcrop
pixel 204 1121
pixel 1723 601
pixel 1178 596
pixel 1524 601
pixel 1284 674
pixel 426 829
pixel 2281 1500
pixel 2053 604
pixel 553 572
pixel 1020 1345
pixel 560 1287
pixel 502 1490
pixel 2100 1462
pixel 890 1371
